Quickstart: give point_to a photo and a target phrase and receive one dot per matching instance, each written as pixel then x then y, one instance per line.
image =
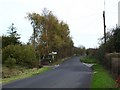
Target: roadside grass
pixel 89 60
pixel 101 77
pixel 27 73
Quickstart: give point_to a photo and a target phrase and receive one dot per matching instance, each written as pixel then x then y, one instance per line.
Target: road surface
pixel 71 74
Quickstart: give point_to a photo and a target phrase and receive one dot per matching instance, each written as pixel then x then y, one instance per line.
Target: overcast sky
pixel 84 17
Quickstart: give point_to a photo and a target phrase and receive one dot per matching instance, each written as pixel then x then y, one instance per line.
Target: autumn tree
pixel 50 34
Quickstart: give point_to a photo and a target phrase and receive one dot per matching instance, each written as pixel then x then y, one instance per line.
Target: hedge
pixel 24 55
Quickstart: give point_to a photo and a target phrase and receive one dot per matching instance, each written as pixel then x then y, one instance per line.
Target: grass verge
pixel 27 73
pixel 101 77
pixel 89 60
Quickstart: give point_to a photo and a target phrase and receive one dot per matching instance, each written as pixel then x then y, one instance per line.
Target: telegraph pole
pixel 34 37
pixel 104 23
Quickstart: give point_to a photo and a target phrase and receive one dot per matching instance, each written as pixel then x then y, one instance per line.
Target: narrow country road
pixel 71 74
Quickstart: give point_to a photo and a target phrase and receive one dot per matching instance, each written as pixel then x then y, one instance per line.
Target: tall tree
pixel 12 38
pixel 112 41
pixel 50 33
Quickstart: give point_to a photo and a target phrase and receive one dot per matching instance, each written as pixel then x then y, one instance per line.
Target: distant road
pixel 71 74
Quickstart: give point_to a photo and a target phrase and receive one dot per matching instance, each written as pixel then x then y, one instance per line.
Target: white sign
pixel 54 52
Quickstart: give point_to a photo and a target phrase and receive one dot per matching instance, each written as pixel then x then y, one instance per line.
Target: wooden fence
pixel 112 61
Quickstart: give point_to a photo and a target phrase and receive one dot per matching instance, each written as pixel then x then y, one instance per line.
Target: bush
pixel 24 55
pixel 10 62
pixel 101 54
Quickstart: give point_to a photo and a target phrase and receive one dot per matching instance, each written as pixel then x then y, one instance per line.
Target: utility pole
pixel 104 23
pixel 34 37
